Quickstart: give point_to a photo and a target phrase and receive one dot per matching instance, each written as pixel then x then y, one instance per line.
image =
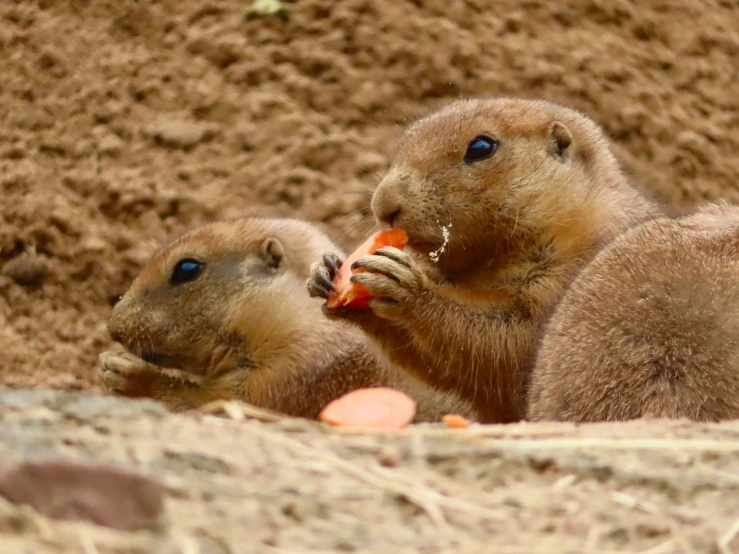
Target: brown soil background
pixel 126 122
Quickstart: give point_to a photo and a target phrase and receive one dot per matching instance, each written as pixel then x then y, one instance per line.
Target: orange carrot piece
pixel 455 421
pixel 373 408
pixel 354 294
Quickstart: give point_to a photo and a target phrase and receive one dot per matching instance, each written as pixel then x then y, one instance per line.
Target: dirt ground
pixel 245 487
pixel 126 122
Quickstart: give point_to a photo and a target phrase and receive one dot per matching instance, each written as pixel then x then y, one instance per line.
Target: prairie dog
pixel 503 201
pixel 649 328
pixel 225 305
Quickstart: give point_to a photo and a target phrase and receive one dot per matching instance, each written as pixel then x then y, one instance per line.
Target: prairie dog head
pixel 230 294
pixel 493 172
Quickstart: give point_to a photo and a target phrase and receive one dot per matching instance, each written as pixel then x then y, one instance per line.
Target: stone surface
pixel 78 491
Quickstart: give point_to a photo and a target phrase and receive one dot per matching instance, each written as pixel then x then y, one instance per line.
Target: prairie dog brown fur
pixel 649 328
pixel 225 305
pixel 503 201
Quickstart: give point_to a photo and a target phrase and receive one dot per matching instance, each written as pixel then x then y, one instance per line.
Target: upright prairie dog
pixel 649 328
pixel 503 201
pixel 225 305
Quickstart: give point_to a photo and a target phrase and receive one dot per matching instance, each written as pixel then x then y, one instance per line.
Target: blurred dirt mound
pixel 125 122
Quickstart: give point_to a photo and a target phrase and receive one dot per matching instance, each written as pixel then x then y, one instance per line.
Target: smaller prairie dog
pixel 503 201
pixel 650 328
pixel 225 306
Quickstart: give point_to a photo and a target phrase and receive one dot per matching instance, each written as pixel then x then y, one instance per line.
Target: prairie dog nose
pixel 118 320
pixel 386 201
pixel 115 333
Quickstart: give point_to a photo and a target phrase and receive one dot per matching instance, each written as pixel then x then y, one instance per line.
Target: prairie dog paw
pixel 125 374
pixel 321 274
pixel 128 375
pixel 392 279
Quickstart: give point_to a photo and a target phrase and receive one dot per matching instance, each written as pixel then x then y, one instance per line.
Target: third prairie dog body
pixel 225 304
pixel 649 328
pixel 503 201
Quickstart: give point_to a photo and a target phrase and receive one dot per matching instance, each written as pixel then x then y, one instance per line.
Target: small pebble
pixel 78 491
pixel 692 142
pixel 182 135
pixel 93 244
pixel 111 145
pixel 389 456
pixel 26 269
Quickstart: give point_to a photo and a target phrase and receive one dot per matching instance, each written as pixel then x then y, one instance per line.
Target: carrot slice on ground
pixel 354 294
pixel 455 421
pixel 373 408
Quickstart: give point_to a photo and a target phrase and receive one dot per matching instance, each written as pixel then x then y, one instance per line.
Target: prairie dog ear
pixel 560 140
pixel 272 253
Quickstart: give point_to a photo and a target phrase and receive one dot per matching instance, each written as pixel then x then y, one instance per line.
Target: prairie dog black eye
pixel 186 270
pixel 480 148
